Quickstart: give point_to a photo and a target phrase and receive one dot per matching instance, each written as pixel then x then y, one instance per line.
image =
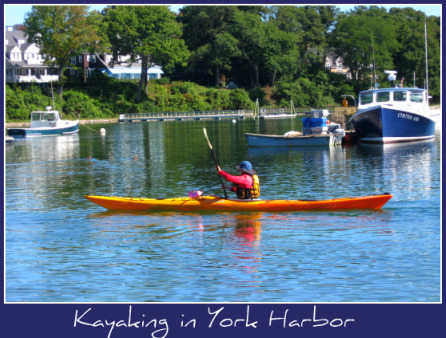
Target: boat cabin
pixel 47 118
pixel 392 96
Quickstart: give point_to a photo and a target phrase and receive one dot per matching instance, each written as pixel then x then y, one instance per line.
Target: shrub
pixel 78 104
pixel 239 99
pixel 258 93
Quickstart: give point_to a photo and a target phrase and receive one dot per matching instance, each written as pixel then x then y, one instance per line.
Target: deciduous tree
pixel 150 34
pixel 62 32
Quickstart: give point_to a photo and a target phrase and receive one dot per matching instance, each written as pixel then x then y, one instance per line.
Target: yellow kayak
pixel 214 203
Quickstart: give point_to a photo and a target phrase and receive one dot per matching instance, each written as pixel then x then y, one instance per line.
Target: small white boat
pixel 277 116
pixel 435 114
pixel 46 123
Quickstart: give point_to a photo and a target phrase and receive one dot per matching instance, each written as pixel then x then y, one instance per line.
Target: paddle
pixel 215 161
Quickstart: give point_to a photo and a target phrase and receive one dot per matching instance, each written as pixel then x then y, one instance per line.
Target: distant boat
pixel 435 114
pixel 46 123
pixel 315 132
pixel 291 139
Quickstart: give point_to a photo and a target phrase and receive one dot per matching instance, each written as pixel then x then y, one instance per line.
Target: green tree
pixel 281 54
pixel 311 26
pixel 410 57
pixel 363 38
pixel 150 34
pixel 206 34
pixel 250 31
pixel 62 32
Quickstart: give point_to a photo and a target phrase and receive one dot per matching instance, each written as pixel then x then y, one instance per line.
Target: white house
pixel 122 69
pixel 24 62
pixel 335 64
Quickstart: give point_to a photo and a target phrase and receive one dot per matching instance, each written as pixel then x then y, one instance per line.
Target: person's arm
pixel 244 180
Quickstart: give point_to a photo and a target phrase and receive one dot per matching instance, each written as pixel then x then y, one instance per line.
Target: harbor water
pixel 59 247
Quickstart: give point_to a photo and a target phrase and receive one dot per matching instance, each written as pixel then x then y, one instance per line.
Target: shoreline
pixel 28 124
pixel 110 120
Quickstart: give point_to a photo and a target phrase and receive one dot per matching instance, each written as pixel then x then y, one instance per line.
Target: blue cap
pixel 246 167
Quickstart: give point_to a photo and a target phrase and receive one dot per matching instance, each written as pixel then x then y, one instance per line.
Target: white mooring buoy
pixel 102 131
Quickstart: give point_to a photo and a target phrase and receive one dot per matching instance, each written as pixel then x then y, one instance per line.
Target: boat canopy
pixel 392 95
pixel 44 116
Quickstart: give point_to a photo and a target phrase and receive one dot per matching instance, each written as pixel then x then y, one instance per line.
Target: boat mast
pixel 374 67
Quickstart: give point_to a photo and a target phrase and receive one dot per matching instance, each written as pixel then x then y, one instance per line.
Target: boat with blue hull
pixel 315 132
pixel 46 123
pixel 392 115
pixel 261 140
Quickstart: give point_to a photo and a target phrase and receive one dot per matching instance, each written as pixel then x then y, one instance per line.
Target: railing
pixel 220 114
pixel 31 78
pixel 187 115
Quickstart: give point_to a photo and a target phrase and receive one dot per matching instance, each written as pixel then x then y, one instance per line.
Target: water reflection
pixel 43 149
pixel 404 166
pixel 247 228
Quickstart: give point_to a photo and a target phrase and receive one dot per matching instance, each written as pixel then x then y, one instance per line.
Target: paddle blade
pixel 207 138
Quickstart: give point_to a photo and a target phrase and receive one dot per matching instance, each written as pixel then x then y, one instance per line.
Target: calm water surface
pixel 62 248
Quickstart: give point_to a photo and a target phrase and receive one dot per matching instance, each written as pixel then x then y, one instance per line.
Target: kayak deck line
pixel 215 203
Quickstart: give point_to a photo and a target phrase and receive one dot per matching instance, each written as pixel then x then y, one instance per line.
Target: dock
pixel 180 116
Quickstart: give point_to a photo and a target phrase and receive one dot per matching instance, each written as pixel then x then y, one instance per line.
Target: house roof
pixel 133 70
pixel 13 38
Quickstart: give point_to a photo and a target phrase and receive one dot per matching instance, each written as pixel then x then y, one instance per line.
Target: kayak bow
pixel 214 203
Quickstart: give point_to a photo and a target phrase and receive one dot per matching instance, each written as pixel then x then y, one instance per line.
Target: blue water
pixel 62 248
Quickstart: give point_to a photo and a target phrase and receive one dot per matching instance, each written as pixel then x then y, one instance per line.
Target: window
pixel 80 58
pixel 35 116
pixel 73 60
pixel 383 97
pixel 366 98
pixel 416 97
pixel 399 96
pixel 93 59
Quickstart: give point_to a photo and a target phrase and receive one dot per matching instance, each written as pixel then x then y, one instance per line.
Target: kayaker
pixel 247 185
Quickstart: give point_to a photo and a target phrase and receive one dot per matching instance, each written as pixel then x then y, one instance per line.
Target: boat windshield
pixel 35 116
pixel 416 97
pixel 399 96
pixel 383 97
pixel 40 116
pixel 366 98
pixel 50 117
